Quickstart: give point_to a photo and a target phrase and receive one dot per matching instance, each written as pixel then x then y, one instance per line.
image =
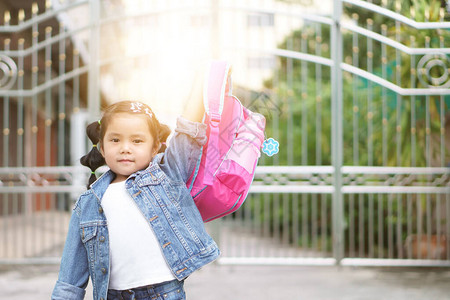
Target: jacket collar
pixel 99 186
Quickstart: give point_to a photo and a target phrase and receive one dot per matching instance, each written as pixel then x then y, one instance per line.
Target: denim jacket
pixel 161 194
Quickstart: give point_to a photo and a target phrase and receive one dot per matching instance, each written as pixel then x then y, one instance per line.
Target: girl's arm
pixel 185 145
pixel 74 273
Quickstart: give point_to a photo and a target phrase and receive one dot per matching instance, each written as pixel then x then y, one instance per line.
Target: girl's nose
pixel 125 148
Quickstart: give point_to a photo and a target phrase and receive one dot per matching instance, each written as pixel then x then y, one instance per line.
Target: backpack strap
pixel 214 91
pixel 217 84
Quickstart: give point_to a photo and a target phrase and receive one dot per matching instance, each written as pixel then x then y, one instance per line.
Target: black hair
pixel 94 159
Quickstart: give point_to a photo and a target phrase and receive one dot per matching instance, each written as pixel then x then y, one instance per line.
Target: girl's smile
pixel 125 160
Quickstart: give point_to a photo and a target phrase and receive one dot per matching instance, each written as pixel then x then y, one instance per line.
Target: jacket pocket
pixel 88 234
pixel 162 190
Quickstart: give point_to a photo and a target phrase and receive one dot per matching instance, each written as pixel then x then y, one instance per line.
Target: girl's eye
pixel 115 140
pixel 138 141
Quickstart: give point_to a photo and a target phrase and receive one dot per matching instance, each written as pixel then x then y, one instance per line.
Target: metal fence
pixel 356 92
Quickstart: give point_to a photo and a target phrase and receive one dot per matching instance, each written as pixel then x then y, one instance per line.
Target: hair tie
pixel 94 146
pixel 99 123
pixel 93 172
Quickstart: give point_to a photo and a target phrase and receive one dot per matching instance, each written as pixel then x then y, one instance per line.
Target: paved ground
pixel 223 282
pixel 216 282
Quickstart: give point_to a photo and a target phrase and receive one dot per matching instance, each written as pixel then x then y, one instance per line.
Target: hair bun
pixel 94 159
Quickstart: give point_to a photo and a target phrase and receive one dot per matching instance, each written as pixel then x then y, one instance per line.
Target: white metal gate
pixel 356 92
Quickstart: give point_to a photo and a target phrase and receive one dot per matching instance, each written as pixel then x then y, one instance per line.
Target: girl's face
pixel 128 145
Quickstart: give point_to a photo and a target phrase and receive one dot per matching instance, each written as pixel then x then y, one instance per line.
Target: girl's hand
pixel 194 108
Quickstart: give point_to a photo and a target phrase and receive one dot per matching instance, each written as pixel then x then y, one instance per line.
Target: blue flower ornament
pixel 270 147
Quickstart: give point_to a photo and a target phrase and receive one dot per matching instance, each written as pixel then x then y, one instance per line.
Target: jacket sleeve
pixel 185 147
pixel 74 272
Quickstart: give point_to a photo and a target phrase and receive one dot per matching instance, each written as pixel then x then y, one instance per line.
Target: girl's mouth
pixel 125 160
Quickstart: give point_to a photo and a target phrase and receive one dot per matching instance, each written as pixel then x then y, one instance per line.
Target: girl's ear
pixel 156 148
pixel 100 149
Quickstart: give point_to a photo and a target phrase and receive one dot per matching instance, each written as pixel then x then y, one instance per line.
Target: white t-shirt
pixel 135 255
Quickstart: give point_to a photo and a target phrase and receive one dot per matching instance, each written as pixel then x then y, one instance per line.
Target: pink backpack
pixel 226 167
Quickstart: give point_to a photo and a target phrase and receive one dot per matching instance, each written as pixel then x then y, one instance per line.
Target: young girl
pixel 136 231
